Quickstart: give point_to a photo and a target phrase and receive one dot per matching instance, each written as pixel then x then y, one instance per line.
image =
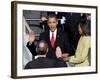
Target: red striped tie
pixel 52 40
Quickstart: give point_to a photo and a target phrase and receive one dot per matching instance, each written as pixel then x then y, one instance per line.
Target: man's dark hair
pixel 52 16
pixel 42 50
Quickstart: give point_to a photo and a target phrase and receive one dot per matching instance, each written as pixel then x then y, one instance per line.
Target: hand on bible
pixel 58 52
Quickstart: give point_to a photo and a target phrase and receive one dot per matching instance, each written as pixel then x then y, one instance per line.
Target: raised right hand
pixel 31 37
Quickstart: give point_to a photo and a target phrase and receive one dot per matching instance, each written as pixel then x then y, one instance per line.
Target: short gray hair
pixel 42 50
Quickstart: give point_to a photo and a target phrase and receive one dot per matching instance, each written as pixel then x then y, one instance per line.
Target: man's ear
pixel 47 50
pixel 57 21
pixel 37 50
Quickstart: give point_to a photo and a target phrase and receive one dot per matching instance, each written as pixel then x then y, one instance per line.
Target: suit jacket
pixel 61 41
pixel 43 62
pixel 40 62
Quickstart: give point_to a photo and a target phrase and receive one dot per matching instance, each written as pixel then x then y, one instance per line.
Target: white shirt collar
pixel 41 55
